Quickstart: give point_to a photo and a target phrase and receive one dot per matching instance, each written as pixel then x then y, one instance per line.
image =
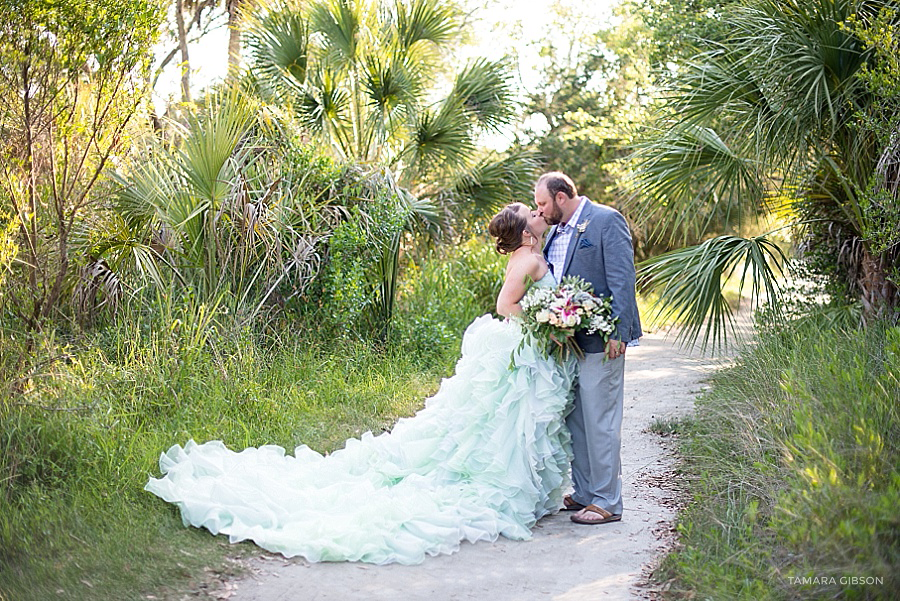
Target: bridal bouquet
pixel 551 316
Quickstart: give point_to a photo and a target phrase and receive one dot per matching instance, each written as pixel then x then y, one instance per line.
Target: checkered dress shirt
pixel 556 254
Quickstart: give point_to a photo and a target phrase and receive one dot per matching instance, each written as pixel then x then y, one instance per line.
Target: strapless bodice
pixel 547 280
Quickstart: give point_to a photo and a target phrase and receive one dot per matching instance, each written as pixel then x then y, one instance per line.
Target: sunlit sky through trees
pixel 501 27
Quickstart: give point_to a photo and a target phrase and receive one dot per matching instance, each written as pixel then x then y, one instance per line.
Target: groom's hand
pixel 615 349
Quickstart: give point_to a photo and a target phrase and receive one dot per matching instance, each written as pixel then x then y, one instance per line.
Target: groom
pixel 593 241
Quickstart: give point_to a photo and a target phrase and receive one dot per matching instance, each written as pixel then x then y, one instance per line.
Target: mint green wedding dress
pixel 488 455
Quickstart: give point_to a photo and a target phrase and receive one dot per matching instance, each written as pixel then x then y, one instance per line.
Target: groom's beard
pixel 554 217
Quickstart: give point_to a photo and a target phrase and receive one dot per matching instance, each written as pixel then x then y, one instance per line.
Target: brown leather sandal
pixel 570 504
pixel 605 516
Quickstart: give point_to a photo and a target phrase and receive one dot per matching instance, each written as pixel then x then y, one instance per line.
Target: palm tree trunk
pixel 357 150
pixel 880 296
pixel 235 10
pixel 182 44
pixel 31 233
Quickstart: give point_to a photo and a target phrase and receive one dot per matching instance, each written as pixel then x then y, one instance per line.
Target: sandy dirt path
pixel 564 561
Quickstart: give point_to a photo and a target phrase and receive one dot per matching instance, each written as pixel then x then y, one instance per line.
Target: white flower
pixel 583 226
pixel 543 316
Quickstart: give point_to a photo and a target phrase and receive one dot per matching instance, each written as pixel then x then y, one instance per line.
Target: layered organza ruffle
pixel 488 455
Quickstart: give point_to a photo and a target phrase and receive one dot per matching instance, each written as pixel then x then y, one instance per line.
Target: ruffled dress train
pixel 488 455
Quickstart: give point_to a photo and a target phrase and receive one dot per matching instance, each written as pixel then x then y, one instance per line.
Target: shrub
pixel 444 290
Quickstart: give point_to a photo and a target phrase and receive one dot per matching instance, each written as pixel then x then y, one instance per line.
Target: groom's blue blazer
pixel 602 254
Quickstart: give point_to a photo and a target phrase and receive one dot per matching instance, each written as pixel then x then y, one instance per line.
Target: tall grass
pixel 470 274
pixel 792 465
pixel 83 422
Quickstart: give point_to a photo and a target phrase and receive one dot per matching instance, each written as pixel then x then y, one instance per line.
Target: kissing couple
pixel 490 453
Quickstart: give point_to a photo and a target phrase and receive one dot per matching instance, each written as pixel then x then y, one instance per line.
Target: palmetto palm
pixel 223 206
pixel 362 76
pixel 766 120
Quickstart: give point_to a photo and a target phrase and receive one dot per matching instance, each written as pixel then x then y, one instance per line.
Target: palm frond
pixel 97 287
pixel 440 141
pixel 123 245
pixel 323 101
pixel 688 178
pixel 279 46
pixel 690 281
pixel 213 140
pixel 493 182
pixel 724 88
pixel 387 84
pixel 391 95
pixel 419 208
pixel 484 90
pixel 322 105
pixel 144 193
pixel 425 20
pixel 784 78
pixel 809 59
pixel 338 22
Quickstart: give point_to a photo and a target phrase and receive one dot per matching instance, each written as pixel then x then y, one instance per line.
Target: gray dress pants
pixel 596 427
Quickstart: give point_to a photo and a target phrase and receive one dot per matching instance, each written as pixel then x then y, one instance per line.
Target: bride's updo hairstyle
pixel 507 227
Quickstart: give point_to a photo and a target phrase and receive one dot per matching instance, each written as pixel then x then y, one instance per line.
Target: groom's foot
pixel 570 504
pixel 595 515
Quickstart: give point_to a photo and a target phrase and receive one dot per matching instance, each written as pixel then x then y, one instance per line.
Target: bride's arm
pixel 514 287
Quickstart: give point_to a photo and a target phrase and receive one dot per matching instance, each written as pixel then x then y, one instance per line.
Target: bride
pixel 488 455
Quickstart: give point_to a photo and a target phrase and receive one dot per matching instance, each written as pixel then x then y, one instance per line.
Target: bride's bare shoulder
pixel 532 264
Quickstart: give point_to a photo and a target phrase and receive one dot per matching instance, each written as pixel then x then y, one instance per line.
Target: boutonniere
pixel 581 227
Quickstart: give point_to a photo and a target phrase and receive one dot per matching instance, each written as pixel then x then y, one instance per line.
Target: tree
pixel 768 120
pixel 361 76
pixel 196 18
pixel 72 79
pixel 236 10
pixel 680 28
pixel 880 201
pixel 237 211
pixel 183 49
pixel 195 11
pixel 568 107
pixel 592 91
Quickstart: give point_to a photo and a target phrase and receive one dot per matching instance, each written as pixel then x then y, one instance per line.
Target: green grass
pixel 792 469
pixel 82 438
pixel 669 426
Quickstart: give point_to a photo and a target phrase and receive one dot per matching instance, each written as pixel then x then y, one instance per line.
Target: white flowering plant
pixel 551 316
